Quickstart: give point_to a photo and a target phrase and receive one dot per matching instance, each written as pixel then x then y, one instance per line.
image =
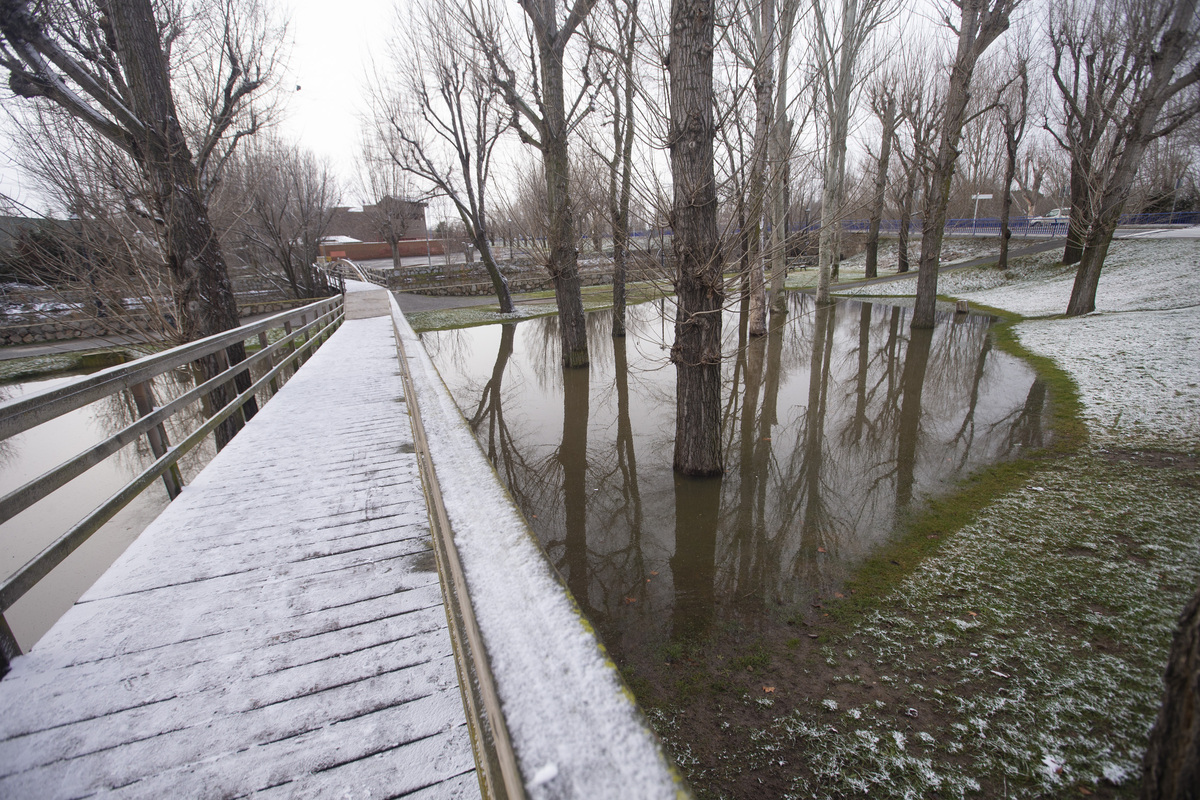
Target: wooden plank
pixel 278 629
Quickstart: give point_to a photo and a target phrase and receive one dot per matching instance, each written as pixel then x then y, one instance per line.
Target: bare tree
pixel 699 283
pixel 1035 163
pixel 1014 111
pixel 288 196
pixel 921 110
pixel 783 132
pixel 1167 70
pixel 543 120
pixel 108 66
pixel 616 76
pixel 1094 68
pixel 392 216
pixel 980 22
pixel 762 18
pixel 842 30
pixel 443 124
pixel 883 103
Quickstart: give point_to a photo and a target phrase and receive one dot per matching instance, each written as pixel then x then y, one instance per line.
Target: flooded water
pixel 28 455
pixel 835 425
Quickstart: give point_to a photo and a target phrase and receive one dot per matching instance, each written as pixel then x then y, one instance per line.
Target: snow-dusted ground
pixel 1136 359
pixel 1037 635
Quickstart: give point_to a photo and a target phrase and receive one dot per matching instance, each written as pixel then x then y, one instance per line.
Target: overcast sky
pixel 332 43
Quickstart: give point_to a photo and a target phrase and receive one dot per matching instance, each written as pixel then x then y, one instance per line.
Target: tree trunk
pixel 1010 171
pixel 781 142
pixel 764 85
pixel 621 211
pixel 905 221
pixel 1076 226
pixel 499 282
pixel 829 240
pixel 957 97
pixel 203 295
pixel 699 283
pixel 1171 767
pixel 563 266
pixel 885 153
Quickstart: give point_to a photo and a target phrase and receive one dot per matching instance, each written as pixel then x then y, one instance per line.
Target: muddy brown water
pixel 836 424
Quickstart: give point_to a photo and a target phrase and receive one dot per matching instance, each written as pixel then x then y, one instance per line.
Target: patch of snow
pixel 1115 774
pixel 544 775
pixel 1138 373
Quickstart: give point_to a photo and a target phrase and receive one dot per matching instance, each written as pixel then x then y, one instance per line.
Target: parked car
pixel 1055 216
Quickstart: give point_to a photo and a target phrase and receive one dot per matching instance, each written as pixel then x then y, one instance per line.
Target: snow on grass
pixel 1136 359
pixel 1055 681
pixel 468 316
pixel 1138 373
pixel 1138 275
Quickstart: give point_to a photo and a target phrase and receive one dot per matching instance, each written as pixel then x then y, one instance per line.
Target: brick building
pixel 389 219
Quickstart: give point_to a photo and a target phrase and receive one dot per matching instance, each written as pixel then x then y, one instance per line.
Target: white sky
pixel 333 43
pixel 330 59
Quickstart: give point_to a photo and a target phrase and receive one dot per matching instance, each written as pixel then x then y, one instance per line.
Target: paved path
pixel 278 629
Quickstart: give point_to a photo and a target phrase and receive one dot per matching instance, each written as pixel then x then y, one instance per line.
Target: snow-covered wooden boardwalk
pixel 278 629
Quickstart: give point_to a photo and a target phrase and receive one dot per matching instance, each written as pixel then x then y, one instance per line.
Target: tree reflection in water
pixel 835 423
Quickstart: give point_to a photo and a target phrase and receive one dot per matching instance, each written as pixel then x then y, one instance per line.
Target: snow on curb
pixel 575 729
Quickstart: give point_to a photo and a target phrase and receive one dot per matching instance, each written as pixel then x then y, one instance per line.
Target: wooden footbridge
pixel 344 602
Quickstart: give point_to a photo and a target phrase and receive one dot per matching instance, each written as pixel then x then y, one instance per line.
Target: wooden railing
pixel 298 332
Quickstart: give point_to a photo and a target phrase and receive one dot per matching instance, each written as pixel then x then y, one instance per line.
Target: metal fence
pixel 296 333
pixel 1024 227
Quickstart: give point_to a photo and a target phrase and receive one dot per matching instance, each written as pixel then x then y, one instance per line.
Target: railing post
pixel 143 398
pixel 264 344
pixel 9 649
pixel 291 348
pixel 308 354
pixel 230 385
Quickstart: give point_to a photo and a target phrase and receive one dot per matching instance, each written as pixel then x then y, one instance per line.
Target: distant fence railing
pixel 297 333
pixel 1024 227
pixel 990 226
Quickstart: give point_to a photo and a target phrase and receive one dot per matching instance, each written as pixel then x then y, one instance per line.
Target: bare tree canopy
pixel 441 124
pixel 109 66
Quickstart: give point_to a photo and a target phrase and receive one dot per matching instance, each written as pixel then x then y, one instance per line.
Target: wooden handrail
pixel 26 412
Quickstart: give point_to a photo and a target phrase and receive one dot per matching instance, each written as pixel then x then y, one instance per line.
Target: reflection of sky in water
pixel 833 425
pixel 33 453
